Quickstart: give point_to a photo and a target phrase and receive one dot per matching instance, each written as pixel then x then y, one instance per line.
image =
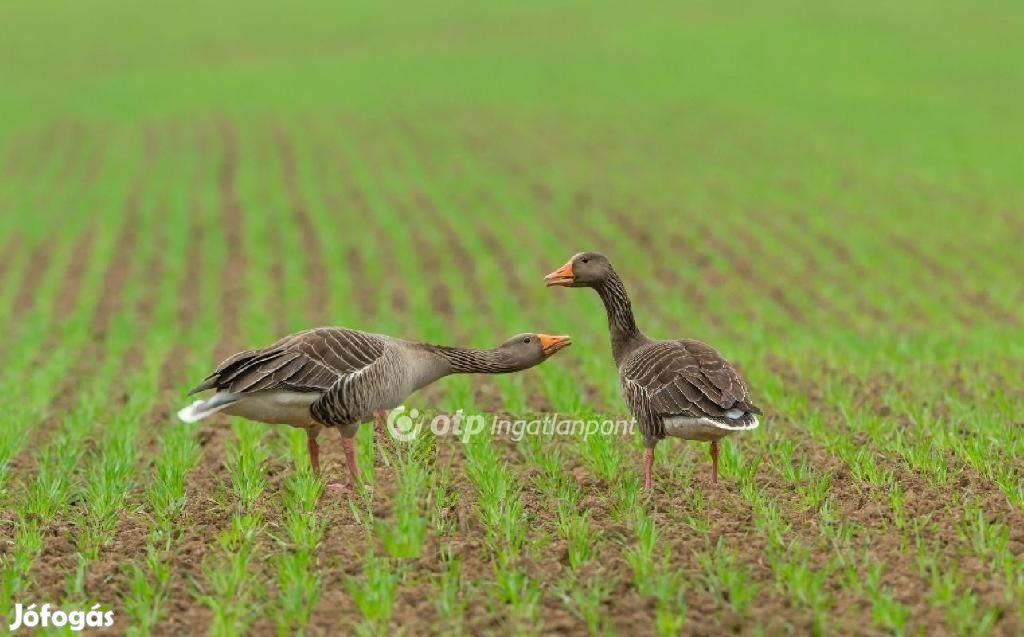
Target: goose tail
pixel 202 408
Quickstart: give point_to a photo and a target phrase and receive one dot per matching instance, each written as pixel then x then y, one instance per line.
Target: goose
pixel 680 388
pixel 340 378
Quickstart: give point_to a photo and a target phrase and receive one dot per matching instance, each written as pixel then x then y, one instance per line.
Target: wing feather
pixel 312 360
pixel 683 378
pixel 353 397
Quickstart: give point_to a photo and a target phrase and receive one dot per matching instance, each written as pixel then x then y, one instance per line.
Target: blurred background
pixel 792 178
pixel 829 193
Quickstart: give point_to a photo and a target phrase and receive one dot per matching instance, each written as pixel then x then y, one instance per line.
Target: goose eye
pixel 585 260
pixel 526 340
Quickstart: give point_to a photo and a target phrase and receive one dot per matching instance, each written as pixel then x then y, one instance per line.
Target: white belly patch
pixel 702 428
pixel 276 407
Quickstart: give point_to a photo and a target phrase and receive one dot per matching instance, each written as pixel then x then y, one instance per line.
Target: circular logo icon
pixel 402 426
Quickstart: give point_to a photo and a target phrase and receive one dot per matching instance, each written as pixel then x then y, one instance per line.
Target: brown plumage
pixel 681 388
pixel 338 377
pixel 311 360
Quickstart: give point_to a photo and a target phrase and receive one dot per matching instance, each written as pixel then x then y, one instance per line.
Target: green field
pixel 831 196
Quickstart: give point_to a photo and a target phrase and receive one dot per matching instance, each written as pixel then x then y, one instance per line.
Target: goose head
pixel 586 269
pixel 526 350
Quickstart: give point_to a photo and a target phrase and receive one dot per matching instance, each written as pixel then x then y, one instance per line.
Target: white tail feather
pixel 704 428
pixel 203 408
pixel 751 425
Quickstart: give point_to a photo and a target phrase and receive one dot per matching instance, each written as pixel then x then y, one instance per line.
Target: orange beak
pixel 562 276
pixel 551 344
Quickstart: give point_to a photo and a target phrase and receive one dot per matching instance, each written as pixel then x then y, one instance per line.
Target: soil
pixel 32 274
pixel 695 289
pixel 361 294
pixel 923 501
pixel 857 271
pixel 70 289
pixel 7 252
pixel 116 273
pixel 59 555
pixel 681 478
pixel 316 268
pixel 71 158
pixel 45 146
pixel 14 155
pixel 232 275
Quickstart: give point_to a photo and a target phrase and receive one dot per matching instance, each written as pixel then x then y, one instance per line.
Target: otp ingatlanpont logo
pixel 404 427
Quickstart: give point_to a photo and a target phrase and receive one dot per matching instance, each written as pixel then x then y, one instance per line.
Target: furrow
pixel 316 277
pixel 75 406
pixel 877 491
pixel 232 274
pixel 187 522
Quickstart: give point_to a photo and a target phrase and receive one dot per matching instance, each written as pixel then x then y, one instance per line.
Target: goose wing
pixel 309 361
pixel 354 397
pixel 684 378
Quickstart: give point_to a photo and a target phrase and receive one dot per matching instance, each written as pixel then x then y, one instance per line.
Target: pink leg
pixel 314 454
pixel 350 458
pixel 349 445
pixel 714 462
pixel 648 464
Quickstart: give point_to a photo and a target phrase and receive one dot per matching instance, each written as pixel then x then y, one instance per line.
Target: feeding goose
pixel 337 377
pixel 683 388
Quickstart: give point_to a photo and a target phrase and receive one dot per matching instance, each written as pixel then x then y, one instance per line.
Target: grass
pixel 829 195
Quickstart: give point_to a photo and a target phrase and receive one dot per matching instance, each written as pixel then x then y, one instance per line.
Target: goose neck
pixel 468 360
pixel 625 335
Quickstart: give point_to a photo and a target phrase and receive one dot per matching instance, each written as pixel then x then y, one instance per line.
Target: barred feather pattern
pixel 625 335
pixel 665 380
pixel 308 361
pixel 356 373
pixel 465 360
pixel 685 378
pixel 354 397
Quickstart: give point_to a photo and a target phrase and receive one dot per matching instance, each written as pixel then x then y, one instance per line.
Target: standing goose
pixel 337 377
pixel 680 388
